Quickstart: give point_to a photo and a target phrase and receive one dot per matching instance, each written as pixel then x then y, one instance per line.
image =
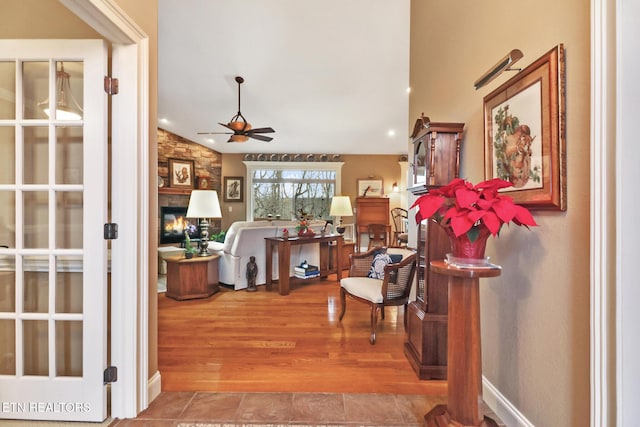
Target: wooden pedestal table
pixel 196 277
pixel 283 246
pixel 464 355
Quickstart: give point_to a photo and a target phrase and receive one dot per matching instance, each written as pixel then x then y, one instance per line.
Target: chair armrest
pixel 398 279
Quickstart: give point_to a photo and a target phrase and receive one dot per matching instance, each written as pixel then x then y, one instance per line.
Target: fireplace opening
pixel 173 223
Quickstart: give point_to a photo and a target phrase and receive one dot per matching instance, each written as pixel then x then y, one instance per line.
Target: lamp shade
pixel 341 206
pixel 204 204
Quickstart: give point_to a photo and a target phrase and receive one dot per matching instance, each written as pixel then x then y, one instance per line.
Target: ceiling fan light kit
pixel 242 129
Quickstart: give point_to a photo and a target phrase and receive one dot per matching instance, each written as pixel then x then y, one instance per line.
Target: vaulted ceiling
pixel 329 76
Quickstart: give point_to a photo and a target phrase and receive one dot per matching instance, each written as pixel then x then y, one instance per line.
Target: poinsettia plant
pixel 465 207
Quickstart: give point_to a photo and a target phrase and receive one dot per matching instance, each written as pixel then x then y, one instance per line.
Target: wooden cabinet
pixel 426 346
pixel 436 161
pixel 371 210
pixel 436 154
pixel 196 277
pixel 347 249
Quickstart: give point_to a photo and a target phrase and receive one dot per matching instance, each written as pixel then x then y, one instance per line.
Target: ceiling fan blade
pixel 260 137
pixel 215 133
pixel 260 130
pixel 227 126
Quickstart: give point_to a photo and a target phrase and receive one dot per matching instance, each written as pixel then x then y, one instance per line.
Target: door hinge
pixel 110 231
pixel 110 85
pixel 110 375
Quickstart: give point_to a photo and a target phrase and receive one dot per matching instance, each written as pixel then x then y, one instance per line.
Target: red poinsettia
pixel 465 207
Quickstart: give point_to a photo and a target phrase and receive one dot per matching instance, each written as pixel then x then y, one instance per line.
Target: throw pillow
pixel 377 265
pixel 395 258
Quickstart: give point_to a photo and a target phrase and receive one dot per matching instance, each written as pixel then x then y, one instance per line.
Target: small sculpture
pixel 252 273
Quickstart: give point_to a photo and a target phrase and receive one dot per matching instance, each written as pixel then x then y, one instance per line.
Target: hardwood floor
pixel 264 342
pixel 242 359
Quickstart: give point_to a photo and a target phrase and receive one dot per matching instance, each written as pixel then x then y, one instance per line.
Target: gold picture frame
pixel 524 122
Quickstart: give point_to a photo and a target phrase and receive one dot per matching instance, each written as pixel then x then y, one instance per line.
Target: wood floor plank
pixel 266 342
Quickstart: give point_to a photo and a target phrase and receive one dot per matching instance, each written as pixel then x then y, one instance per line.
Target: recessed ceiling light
pixel 164 121
pixel 409 89
pixel 211 140
pixel 391 132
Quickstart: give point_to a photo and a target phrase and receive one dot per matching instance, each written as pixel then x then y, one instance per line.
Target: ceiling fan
pixel 242 130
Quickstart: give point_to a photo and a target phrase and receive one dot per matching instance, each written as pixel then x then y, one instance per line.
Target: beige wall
pixel 535 317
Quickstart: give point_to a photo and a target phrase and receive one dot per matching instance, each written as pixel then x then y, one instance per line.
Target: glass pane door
pixel 52 290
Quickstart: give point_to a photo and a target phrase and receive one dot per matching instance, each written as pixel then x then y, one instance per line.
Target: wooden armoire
pixel 371 210
pixel 435 162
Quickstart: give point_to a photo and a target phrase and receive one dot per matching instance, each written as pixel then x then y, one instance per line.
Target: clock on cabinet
pixel 436 161
pixel 436 154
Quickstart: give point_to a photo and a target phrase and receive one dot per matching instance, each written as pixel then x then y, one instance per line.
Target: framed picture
pixel 181 173
pixel 370 188
pixel 203 183
pixel 233 189
pixel 524 134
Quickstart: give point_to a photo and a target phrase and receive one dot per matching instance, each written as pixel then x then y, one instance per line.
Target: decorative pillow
pixel 395 258
pixel 377 266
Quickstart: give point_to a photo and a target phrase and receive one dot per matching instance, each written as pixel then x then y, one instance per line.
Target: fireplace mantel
pixel 173 190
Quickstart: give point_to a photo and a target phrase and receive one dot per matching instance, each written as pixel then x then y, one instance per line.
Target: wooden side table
pixel 192 278
pixel 283 246
pixel 464 355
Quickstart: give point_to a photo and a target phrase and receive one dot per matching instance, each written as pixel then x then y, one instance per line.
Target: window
pixel 283 190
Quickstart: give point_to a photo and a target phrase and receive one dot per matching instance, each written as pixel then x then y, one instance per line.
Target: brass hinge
pixel 110 85
pixel 110 231
pixel 110 375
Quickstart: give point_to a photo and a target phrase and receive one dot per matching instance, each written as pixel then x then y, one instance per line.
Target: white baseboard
pixel 154 386
pixel 504 409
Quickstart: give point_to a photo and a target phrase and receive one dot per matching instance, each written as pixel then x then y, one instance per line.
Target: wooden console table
pixel 464 354
pixel 196 277
pixel 284 258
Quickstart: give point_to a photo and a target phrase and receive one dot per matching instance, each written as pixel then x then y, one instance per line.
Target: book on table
pixel 307 276
pixel 306 271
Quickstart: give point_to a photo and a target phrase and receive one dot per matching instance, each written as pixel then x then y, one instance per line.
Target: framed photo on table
pixel 370 188
pixel 181 173
pixel 524 122
pixel 233 189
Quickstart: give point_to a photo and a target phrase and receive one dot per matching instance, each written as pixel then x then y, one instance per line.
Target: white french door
pixel 53 204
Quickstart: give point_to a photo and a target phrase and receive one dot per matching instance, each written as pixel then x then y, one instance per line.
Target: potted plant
pixel 470 213
pixel 189 250
pixel 303 229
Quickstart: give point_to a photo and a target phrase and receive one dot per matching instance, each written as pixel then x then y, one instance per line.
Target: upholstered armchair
pixel 377 279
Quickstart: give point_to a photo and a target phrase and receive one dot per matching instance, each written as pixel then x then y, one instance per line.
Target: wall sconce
pixel 395 188
pixel 204 204
pixel 63 111
pixel 503 65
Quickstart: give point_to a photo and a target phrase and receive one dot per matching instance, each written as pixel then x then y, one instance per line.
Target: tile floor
pixel 284 409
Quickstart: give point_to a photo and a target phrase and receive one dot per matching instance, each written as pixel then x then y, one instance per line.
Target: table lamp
pixel 340 206
pixel 203 204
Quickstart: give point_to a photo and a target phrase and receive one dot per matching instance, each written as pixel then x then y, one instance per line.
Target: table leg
pixel 268 271
pixel 339 243
pixel 284 261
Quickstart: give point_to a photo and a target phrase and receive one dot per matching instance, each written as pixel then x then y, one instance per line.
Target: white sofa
pixel 245 239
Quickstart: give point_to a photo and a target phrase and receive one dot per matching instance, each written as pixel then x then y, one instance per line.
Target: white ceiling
pixel 329 76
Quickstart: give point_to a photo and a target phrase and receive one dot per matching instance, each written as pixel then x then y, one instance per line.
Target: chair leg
pixel 343 303
pixel 382 312
pixel 374 320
